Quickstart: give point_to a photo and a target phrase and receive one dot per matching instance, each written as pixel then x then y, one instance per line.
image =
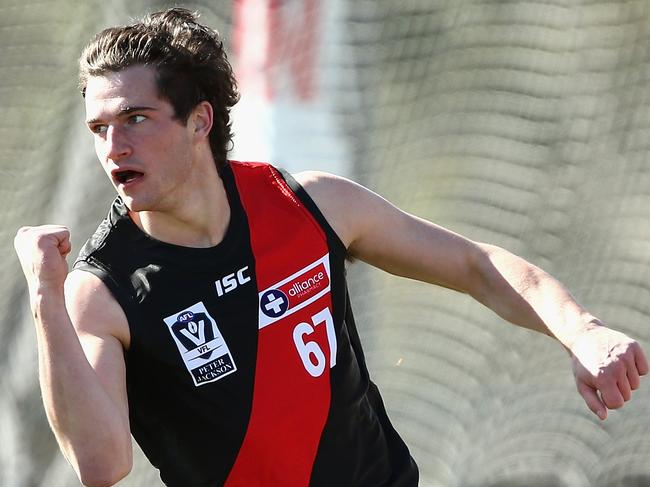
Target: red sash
pixel 296 343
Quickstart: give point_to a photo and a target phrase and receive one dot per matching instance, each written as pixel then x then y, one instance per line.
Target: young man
pixel 208 314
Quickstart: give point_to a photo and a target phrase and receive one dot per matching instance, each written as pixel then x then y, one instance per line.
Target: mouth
pixel 127 176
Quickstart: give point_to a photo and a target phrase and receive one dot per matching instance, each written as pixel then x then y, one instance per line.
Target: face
pixel 146 153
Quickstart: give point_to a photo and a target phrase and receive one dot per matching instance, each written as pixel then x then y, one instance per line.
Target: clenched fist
pixel 607 365
pixel 42 251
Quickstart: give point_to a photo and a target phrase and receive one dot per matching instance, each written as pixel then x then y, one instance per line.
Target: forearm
pixel 525 295
pixel 92 431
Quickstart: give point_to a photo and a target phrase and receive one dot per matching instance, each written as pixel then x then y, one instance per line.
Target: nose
pixel 117 145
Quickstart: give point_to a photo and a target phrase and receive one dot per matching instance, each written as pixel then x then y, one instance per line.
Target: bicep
pixel 409 246
pixel 102 329
pixel 379 233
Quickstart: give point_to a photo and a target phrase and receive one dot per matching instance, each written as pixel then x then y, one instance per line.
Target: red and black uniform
pixel 245 367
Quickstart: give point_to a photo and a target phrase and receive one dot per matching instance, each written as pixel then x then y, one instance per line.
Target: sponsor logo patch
pixel 295 292
pixel 201 345
pixel 274 303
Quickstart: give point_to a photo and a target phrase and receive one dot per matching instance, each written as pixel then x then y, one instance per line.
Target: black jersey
pixel 245 367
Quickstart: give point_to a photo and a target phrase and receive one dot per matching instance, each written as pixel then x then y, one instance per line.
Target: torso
pixel 244 365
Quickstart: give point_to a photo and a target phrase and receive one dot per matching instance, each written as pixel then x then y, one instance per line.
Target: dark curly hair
pixel 190 63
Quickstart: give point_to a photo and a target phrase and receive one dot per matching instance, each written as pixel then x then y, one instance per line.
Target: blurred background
pixel 521 123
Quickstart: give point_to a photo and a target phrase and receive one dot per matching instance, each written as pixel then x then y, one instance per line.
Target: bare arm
pixel 607 364
pixel 81 334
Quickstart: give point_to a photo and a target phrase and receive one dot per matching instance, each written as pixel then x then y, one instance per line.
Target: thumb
pixel 591 397
pixel 65 246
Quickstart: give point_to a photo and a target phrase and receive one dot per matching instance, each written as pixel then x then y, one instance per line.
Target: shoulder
pixel 92 308
pixel 105 232
pixel 323 184
pixel 347 205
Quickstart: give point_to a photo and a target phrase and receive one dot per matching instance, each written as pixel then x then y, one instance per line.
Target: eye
pixel 98 129
pixel 135 119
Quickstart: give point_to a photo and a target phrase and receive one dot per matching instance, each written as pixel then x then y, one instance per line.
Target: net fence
pixel 520 123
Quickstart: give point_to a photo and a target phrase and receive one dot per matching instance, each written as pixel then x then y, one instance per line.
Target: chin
pixel 133 204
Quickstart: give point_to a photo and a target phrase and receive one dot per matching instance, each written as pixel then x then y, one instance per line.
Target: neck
pixel 199 219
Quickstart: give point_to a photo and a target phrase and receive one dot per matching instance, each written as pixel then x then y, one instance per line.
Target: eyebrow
pixel 124 111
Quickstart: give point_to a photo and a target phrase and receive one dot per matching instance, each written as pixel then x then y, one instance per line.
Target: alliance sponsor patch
pixel 201 345
pixel 295 292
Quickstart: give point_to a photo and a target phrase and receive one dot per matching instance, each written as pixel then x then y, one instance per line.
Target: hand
pixel 607 366
pixel 42 251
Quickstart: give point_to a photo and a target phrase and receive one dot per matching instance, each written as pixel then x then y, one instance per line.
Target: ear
pixel 201 120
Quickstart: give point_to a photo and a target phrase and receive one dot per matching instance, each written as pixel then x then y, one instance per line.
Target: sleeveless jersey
pixel 245 367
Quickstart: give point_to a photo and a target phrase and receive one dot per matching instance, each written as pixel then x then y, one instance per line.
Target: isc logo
pixel 231 281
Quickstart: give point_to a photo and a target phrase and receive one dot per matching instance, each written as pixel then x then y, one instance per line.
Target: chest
pixel 212 322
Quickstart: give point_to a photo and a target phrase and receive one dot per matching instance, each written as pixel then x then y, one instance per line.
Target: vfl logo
pixel 201 345
pixel 193 331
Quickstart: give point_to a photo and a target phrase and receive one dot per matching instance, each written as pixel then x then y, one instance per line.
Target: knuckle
pixel 617 404
pixel 20 233
pixel 41 238
pixel 613 401
pixel 626 394
pixel 602 379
